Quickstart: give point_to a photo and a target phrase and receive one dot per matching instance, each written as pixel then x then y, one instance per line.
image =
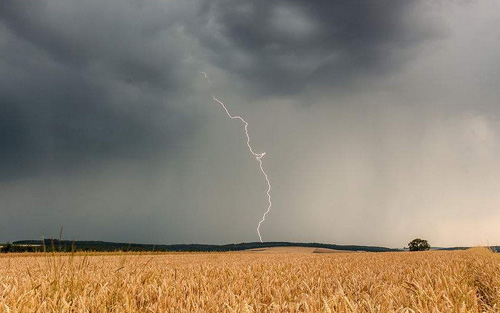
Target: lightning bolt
pixel 258 156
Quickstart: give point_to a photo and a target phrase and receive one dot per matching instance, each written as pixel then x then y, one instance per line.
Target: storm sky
pixel 380 120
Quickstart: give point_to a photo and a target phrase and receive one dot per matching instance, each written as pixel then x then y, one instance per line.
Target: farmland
pixel 433 281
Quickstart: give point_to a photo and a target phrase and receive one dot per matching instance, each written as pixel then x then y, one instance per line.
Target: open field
pixel 435 281
pixel 294 250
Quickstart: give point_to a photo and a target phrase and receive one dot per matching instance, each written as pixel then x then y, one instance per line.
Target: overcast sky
pixel 380 120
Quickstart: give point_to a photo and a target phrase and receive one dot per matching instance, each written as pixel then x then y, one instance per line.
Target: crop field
pixel 434 281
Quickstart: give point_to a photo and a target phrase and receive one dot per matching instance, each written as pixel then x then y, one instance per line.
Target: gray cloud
pixel 379 120
pixel 284 47
pixel 93 76
pixel 88 81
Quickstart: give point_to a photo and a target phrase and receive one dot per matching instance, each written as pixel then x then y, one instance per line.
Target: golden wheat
pixel 459 281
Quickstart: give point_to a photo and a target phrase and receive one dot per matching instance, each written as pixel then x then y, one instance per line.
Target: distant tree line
pixel 9 247
pixel 67 246
pixel 55 245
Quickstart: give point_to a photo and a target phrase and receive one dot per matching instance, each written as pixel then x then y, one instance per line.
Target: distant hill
pixel 494 248
pixel 67 245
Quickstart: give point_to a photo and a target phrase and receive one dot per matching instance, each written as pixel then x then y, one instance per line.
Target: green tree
pixel 419 245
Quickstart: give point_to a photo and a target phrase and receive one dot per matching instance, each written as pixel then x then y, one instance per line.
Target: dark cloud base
pixel 70 65
pixel 284 47
pixel 107 126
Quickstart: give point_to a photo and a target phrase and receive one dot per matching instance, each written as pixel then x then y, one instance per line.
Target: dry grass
pixel 460 281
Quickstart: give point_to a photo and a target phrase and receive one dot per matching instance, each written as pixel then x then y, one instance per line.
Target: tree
pixel 6 248
pixel 419 245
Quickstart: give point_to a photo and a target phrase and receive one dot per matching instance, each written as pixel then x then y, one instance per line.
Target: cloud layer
pixel 285 47
pixel 379 120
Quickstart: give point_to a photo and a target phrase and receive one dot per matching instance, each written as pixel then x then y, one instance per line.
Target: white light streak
pixel 258 156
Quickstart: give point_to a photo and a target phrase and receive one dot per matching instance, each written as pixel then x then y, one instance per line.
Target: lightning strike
pixel 258 156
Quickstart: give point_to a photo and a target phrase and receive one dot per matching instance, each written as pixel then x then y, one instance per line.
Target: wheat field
pixel 435 281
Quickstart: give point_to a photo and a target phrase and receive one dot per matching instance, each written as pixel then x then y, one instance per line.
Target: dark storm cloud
pixel 107 126
pixel 90 80
pixel 87 81
pixel 283 47
pixel 125 37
